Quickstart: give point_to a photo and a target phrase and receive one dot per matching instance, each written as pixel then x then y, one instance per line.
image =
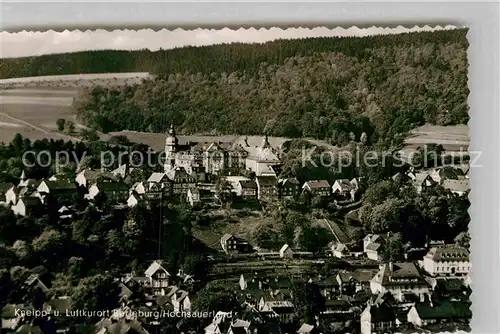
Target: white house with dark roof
pixel 246 189
pixel 402 280
pixel 158 277
pixel 373 246
pixel 379 318
pixel 261 158
pixel 422 180
pixel 87 177
pixel 343 187
pixel 317 188
pixel 446 261
pixel 113 190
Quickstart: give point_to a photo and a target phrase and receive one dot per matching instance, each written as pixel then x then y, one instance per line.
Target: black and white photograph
pixel 230 181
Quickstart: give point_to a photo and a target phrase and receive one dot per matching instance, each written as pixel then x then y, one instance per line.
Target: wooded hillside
pixel 326 88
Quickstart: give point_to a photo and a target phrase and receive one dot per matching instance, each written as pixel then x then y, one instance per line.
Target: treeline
pixel 326 88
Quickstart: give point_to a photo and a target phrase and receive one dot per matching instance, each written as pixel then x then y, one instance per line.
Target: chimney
pixel 391 267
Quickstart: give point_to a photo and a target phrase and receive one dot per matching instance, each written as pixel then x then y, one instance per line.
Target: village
pixel 363 293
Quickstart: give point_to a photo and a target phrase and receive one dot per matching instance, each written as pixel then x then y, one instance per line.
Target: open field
pixel 76 80
pixel 453 138
pixel 35 104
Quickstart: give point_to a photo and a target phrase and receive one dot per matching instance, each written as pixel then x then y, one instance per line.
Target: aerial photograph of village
pixel 258 182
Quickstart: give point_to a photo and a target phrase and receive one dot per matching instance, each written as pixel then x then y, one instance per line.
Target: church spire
pixel 171 131
pixel 265 142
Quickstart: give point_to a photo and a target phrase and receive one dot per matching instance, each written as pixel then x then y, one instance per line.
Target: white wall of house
pixel 398 290
pixel 19 208
pixel 414 318
pixel 446 267
pixel 93 191
pixel 132 201
pixel 373 255
pixel 11 196
pixel 43 188
pixel 366 321
pixel 81 180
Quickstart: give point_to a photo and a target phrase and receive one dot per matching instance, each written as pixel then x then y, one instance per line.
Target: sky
pixel 22 44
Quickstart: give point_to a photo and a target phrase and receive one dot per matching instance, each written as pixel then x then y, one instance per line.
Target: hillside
pixel 323 88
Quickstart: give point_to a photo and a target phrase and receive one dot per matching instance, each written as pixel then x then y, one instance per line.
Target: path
pixel 44 131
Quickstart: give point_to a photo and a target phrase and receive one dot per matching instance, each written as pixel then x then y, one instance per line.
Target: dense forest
pixel 325 88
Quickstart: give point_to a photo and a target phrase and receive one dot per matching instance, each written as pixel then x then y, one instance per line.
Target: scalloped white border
pixel 482 18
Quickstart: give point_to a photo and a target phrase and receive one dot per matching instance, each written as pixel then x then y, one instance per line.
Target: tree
pixel 463 239
pixel 217 296
pixel 61 122
pixel 266 237
pixel 196 265
pixel 223 191
pixel 394 249
pixel 307 301
pixel 99 292
pixel 69 127
pixel 314 239
pixel 6 287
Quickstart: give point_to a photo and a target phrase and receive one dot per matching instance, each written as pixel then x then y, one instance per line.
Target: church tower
pixel 171 144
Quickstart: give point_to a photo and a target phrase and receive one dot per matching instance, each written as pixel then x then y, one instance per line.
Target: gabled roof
pixel 111 186
pixel 448 253
pixel 158 177
pixel 316 184
pixel 31 201
pixel 284 248
pixel 345 184
pixel 400 270
pixel 381 313
pixel 153 268
pixel 60 185
pixel 267 181
pixel 290 181
pixel 305 328
pixel 373 246
pixel 225 237
pixel 248 184
pixel 444 310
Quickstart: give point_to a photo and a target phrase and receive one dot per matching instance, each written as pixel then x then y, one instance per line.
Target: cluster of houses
pixel 454 178
pixel 383 299
pixel 155 291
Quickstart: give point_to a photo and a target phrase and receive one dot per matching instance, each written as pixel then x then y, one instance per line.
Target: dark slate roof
pixel 112 186
pixel 60 185
pixel 267 181
pixel 31 201
pixel 449 253
pixel 382 313
pixel 444 310
pixel 316 184
pixel 248 184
